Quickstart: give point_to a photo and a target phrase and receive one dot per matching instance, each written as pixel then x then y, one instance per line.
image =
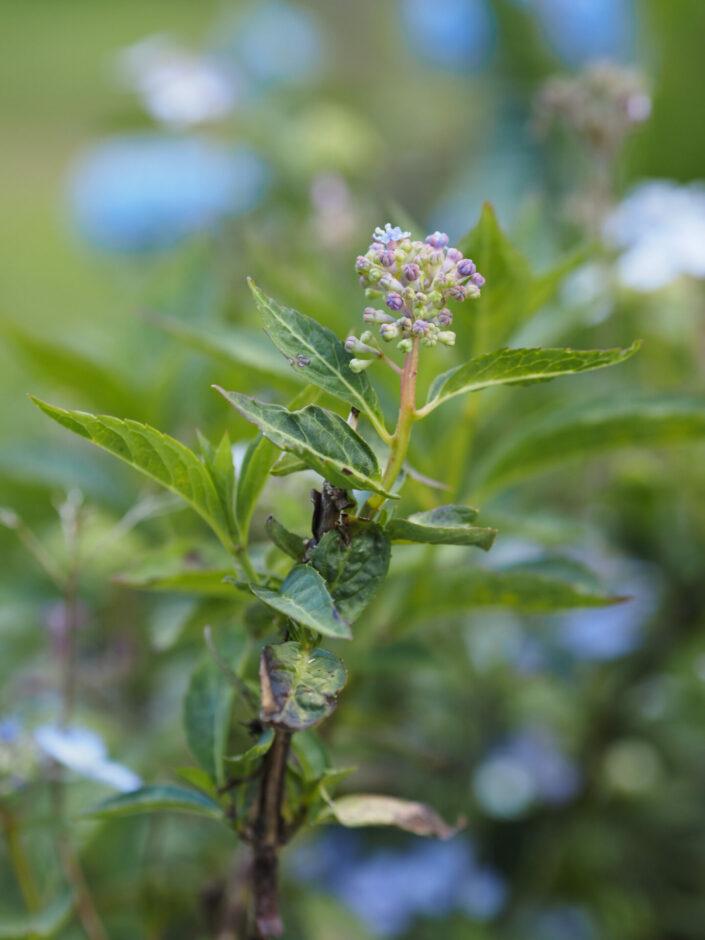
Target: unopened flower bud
pixel 445 317
pixel 447 337
pixel 405 345
pixel 454 255
pixel 372 315
pixel 411 272
pixel 389 331
pixel 458 292
pixel 420 327
pixel 466 267
pixel 478 280
pixel 437 240
pixel 374 275
pixel 394 301
pixel 367 337
pixel 388 281
pixel 362 264
pixel 359 365
pixel 386 257
pixel 355 345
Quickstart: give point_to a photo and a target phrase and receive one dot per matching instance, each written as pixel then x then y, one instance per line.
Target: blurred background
pixel 156 154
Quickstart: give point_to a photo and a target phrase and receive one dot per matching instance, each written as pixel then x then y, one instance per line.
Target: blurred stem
pixel 405 421
pixel 20 863
pixel 71 867
pixel 268 836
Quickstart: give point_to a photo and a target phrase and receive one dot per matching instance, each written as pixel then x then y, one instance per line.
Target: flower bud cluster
pixel 412 281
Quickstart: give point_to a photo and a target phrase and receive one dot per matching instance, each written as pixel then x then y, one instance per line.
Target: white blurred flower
pixel 661 228
pixel 85 753
pixel 178 88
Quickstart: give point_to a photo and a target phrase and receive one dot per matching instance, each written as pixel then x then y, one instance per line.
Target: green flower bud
pixel 359 365
pixel 405 345
pixel 447 337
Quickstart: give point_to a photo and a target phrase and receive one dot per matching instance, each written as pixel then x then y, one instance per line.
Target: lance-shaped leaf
pixel 157 455
pixel 371 809
pixel 354 566
pixel 240 763
pixel 156 799
pixel 520 367
pixel 322 439
pixel 219 463
pixel 528 589
pixel 46 922
pixel 290 543
pixel 446 525
pixel 207 708
pixel 245 349
pixel 514 293
pixel 299 687
pixel 260 457
pixel 303 596
pixel 316 351
pixel 198 582
pixel 591 429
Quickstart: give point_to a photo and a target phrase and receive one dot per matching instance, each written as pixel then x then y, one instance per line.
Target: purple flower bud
pixel 454 255
pixel 445 317
pixel 362 264
pixel 478 280
pixel 412 272
pixel 386 257
pixel 371 315
pixel 436 256
pixel 466 268
pixel 437 240
pixel 420 327
pixel 394 301
pixel 458 292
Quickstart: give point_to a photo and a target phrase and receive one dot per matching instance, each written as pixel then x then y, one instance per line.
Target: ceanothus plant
pixel 283 678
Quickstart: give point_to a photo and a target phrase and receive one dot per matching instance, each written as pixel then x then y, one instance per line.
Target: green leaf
pixel 317 352
pixel 520 367
pixel 290 543
pixel 45 923
pixel 371 809
pixel 156 799
pixel 155 454
pixel 240 763
pixel 303 596
pixel 513 291
pixel 590 429
pixel 525 589
pixel 207 707
pixel 446 525
pixel 203 582
pixel 198 778
pixel 260 457
pixel 288 463
pixel 311 754
pixel 321 438
pixel 299 687
pixel 238 346
pixel 354 570
pixel 219 463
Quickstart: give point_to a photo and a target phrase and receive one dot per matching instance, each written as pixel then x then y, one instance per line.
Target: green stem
pixel 20 864
pixel 405 421
pixel 242 557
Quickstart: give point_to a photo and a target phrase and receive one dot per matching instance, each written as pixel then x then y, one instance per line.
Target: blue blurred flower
pixel 275 42
pixel 660 226
pixel 582 30
pixel 10 729
pixel 457 35
pixel 179 88
pixel 389 889
pixel 525 769
pixel 85 753
pixel 562 922
pixel 144 193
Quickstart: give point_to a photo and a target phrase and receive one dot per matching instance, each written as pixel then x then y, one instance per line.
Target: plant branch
pixel 268 835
